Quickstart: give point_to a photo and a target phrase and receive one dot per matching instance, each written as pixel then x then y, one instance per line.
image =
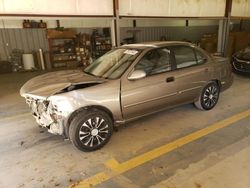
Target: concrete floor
pixel 31 157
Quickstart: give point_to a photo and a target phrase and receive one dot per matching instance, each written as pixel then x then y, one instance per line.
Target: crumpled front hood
pixel 53 82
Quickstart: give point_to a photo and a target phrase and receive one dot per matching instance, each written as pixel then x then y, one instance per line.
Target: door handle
pixel 170 79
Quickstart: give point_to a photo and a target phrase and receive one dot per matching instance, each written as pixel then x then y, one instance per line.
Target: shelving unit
pixel 101 44
pixel 68 49
pixel 62 48
pixel 62 52
pixel 83 48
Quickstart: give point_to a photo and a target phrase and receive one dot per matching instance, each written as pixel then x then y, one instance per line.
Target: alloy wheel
pixel 93 132
pixel 211 96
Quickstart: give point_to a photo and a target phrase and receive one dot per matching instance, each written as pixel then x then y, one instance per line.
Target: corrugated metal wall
pixel 246 25
pixel 32 39
pixel 145 34
pixel 25 39
pixel 28 40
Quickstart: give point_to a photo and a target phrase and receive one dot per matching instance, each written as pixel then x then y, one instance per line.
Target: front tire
pixel 90 130
pixel 208 97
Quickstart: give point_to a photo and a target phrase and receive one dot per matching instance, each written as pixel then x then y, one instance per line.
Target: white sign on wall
pixel 57 7
pixel 240 8
pixel 173 8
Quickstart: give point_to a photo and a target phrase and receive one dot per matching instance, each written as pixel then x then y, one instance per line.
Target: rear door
pixel 191 71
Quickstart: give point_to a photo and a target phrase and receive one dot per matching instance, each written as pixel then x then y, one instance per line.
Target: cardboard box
pixel 238 41
pixel 209 43
pixel 61 34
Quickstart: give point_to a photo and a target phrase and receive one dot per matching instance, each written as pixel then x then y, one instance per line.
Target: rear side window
pixel 184 56
pixel 201 58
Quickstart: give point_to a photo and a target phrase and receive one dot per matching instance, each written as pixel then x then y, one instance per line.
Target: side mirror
pixel 137 74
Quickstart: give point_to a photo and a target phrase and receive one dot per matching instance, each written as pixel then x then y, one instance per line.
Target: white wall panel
pixel 241 8
pixel 203 22
pixel 173 8
pixel 206 8
pixel 159 23
pixel 57 7
pixel 126 23
pixel 167 22
pixel 67 23
pixel 95 7
pixel 85 23
pixel 95 23
pixel 11 23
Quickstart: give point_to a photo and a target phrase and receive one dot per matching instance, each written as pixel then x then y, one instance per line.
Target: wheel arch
pixel 217 82
pixel 92 107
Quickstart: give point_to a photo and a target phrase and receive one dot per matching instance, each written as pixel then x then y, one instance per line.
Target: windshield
pixel 113 64
pixel 244 54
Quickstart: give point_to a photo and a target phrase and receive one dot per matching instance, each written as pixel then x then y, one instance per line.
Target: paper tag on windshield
pixel 131 52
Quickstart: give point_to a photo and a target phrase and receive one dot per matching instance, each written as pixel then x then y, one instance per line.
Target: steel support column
pixel 224 29
pixel 115 26
pixel 223 36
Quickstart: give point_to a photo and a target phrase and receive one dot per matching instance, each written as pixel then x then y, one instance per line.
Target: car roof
pixel 155 44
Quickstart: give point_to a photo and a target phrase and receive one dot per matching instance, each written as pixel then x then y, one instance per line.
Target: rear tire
pixel 208 97
pixel 90 130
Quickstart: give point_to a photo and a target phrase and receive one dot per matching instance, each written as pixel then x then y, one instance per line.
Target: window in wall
pixel 155 62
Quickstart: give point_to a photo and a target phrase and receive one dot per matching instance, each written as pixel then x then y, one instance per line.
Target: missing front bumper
pixel 46 116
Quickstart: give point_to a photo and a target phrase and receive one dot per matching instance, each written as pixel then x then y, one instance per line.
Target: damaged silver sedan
pixel 125 84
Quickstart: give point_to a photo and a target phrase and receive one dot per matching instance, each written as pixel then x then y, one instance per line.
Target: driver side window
pixel 155 62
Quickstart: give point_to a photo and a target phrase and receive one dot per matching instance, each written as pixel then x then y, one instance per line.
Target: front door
pixel 154 92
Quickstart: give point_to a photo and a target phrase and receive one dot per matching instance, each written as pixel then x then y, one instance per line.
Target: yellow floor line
pixel 14 116
pixel 93 180
pixel 119 168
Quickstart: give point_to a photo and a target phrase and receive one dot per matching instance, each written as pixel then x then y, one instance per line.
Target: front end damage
pixel 46 115
pixel 45 96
